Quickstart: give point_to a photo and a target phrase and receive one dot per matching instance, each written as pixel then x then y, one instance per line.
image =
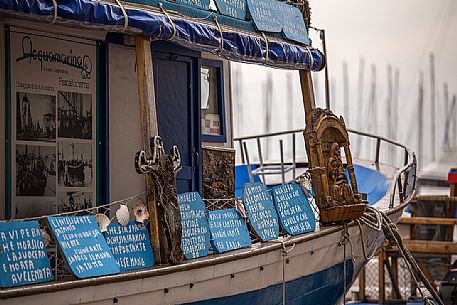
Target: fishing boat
pixel 161 68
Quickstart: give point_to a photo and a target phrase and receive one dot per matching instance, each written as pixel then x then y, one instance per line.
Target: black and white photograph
pixel 74 115
pixel 73 201
pixel 35 170
pixel 75 164
pixel 35 117
pixel 35 206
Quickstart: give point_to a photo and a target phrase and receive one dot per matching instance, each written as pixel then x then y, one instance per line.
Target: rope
pixel 284 253
pixel 220 32
pixel 378 220
pixel 311 58
pixel 54 18
pixel 266 47
pixel 126 17
pixel 169 19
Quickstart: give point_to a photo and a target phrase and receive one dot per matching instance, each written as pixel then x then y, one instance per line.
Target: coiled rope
pixel 377 220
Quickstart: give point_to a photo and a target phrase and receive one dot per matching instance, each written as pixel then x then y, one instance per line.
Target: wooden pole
pixel 432 105
pixel 420 119
pixel 362 284
pixel 346 92
pixel 149 128
pixel 306 84
pixel 381 276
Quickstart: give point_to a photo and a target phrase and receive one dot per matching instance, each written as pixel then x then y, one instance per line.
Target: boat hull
pixel 312 272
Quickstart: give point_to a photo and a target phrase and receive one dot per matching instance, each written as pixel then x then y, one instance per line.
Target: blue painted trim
pixel 322 288
pixel 219 65
pixel 238 45
pixel 98 145
pixel 104 123
pixel 8 128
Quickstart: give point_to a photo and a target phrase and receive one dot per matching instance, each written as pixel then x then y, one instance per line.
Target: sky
pixel 402 34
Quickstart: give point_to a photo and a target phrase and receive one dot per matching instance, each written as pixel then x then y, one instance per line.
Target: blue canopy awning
pixel 159 24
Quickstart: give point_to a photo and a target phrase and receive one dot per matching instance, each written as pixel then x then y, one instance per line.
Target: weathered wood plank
pixel 431 246
pixel 428 221
pixel 149 128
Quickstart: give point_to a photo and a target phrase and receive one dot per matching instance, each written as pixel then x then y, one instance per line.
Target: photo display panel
pixel 23 257
pixel 195 230
pixel 130 245
pixel 53 82
pixel 83 246
pixel 261 211
pixel 228 230
pixel 295 213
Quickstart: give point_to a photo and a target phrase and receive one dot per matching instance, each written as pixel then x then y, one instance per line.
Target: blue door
pixel 178 113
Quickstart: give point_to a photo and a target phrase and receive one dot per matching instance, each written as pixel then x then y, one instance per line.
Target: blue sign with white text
pixel 23 257
pixel 261 211
pixel 83 246
pixel 232 8
pixel 228 230
pixel 130 245
pixel 295 213
pixel 263 14
pixel 195 231
pixel 293 25
pixel 201 4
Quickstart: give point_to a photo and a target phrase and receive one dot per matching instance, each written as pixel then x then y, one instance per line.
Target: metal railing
pixel 404 179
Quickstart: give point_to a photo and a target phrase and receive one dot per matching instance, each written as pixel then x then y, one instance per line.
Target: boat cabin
pixel 74 110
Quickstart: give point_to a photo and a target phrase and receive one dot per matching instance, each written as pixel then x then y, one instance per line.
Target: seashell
pixel 46 237
pixel 141 213
pixel 240 209
pixel 123 215
pixel 102 221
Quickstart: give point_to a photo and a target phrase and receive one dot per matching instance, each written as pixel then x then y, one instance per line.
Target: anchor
pixel 163 169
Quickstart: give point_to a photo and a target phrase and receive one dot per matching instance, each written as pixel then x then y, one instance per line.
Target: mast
pixel 420 120
pixel 446 114
pixel 346 92
pixel 327 93
pixel 360 104
pixel 389 104
pixel 432 105
pixel 396 102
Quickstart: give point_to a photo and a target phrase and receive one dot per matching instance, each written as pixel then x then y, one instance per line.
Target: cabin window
pixel 212 101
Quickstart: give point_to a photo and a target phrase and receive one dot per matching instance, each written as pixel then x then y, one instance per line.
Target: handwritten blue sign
pixel 295 213
pixel 201 4
pixel 195 231
pixel 83 246
pixel 232 8
pixel 261 211
pixel 228 230
pixel 264 16
pixel 23 258
pixel 293 25
pixel 130 245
